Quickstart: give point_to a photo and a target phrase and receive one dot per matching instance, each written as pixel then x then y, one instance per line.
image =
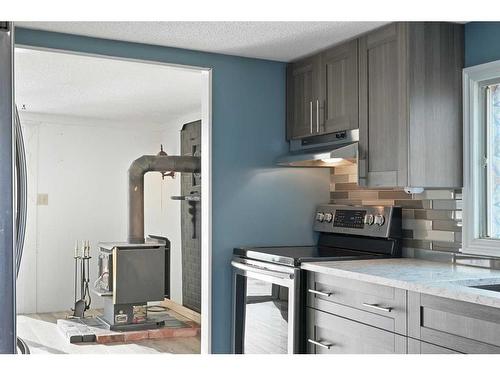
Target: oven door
pixel 265 308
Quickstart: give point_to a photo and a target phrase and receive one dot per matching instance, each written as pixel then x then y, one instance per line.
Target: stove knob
pixel 328 217
pixel 379 220
pixel 369 219
pixel 320 216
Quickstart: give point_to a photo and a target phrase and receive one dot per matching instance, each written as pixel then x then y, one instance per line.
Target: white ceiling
pixel 117 92
pixel 281 41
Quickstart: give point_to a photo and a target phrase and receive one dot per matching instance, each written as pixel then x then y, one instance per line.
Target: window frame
pixel 474 218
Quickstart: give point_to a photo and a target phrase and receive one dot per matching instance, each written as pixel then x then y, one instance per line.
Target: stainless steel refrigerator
pixel 12 193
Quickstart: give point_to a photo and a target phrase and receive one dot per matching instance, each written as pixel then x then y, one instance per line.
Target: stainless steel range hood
pixel 329 150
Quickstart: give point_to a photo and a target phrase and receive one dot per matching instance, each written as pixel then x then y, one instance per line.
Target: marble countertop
pixel 435 278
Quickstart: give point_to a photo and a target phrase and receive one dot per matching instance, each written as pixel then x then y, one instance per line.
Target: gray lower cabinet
pixel 410 112
pixel 353 317
pixel 422 347
pixel 344 315
pixel 331 334
pixel 459 326
pixel 376 305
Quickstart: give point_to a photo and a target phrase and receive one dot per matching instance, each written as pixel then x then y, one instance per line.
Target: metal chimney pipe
pixel 136 172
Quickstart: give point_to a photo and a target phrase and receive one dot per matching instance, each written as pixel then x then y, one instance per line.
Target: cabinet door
pixel 331 334
pixel 461 326
pixel 436 60
pixel 421 347
pixel 338 105
pixel 358 300
pixel 383 107
pixel 302 93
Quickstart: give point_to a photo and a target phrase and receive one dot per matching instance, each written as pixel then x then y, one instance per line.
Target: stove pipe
pixel 136 172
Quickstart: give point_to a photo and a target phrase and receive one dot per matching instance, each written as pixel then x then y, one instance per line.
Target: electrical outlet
pixel 42 200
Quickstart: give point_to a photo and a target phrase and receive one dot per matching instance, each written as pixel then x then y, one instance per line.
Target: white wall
pixel 83 169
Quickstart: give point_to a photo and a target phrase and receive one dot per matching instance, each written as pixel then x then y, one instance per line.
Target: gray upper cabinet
pixel 382 107
pixel 401 85
pixel 338 104
pixel 435 95
pixel 410 114
pixel 303 91
pixel 322 92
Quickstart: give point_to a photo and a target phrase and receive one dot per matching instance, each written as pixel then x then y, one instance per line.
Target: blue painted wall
pixel 254 203
pixel 482 42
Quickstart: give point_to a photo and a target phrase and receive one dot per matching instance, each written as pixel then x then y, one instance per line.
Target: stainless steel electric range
pixel 267 290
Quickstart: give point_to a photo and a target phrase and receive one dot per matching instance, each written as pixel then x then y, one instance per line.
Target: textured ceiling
pixel 106 90
pixel 281 41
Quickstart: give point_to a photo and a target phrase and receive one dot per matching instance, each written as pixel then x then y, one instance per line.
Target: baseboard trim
pixel 182 310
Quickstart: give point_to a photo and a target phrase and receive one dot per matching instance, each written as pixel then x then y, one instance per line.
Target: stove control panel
pixel 375 221
pixel 349 219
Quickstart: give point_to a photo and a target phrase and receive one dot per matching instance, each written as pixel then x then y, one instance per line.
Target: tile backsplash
pixel 432 220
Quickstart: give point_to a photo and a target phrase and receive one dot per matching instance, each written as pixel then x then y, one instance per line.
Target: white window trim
pixel 474 79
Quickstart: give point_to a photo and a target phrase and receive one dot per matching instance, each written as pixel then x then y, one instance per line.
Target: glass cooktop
pixel 295 255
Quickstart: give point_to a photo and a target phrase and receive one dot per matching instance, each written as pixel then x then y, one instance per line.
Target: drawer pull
pixel 377 307
pixel 325 345
pixel 324 294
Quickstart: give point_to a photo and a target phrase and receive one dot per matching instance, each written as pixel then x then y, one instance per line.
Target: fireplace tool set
pixel 82 266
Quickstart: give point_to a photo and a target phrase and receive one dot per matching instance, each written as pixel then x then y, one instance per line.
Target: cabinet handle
pixel 317 115
pixel 325 345
pixel 377 307
pixel 311 115
pixel 325 111
pixel 324 294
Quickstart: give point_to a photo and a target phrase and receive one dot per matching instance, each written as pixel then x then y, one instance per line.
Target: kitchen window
pixel 481 216
pixel 492 161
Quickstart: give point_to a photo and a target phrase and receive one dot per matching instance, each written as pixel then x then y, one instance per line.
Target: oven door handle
pixel 277 274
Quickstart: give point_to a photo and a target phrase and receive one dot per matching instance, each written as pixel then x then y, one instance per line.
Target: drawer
pixel 461 326
pixel 330 334
pixel 422 347
pixel 377 305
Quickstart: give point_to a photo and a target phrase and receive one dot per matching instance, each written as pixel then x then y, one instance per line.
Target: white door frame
pixel 206 212
pixel 206 186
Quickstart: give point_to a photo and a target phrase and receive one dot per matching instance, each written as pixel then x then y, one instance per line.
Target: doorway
pixel 85 119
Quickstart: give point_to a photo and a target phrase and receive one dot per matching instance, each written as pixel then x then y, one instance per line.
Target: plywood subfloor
pixel 42 335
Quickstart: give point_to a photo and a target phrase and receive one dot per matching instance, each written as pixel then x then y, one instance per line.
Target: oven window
pixel 266 318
